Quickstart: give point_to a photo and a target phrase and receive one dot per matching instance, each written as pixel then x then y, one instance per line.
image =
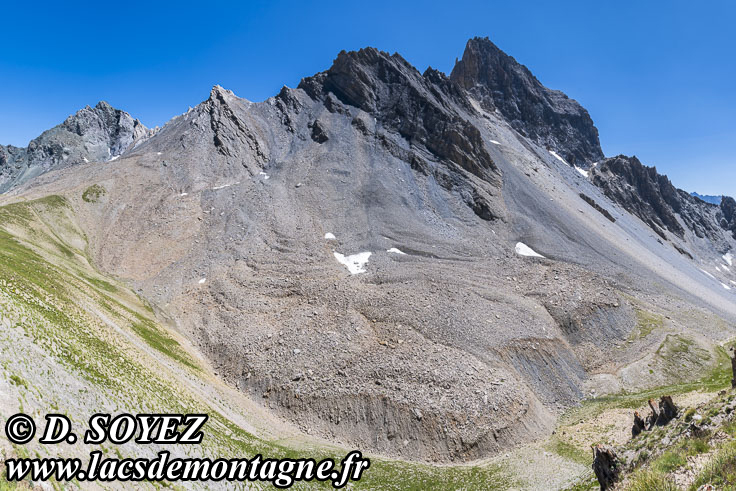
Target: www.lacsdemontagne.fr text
pixel 281 473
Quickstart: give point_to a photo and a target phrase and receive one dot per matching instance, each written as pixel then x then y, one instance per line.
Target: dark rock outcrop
pixel 667 410
pixel 598 207
pixel 606 466
pixel 421 108
pixel 93 134
pixel 642 191
pixel 659 416
pixel 653 416
pixel 651 196
pixel 638 426
pixel 727 214
pixel 230 132
pixel 319 134
pixel 548 117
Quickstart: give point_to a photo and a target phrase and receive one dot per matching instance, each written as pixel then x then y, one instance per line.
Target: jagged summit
pixel 92 134
pixel 425 109
pixel 548 117
pixel 218 92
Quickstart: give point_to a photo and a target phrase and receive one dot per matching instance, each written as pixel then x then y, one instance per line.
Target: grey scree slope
pixel 452 351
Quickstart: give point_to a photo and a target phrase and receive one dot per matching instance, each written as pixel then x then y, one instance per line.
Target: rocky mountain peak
pixel 548 117
pixel 219 93
pixel 423 109
pixel 92 134
pixel 363 78
pixel 105 126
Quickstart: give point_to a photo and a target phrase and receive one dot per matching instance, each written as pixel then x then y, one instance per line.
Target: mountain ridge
pixel 236 220
pixel 708 198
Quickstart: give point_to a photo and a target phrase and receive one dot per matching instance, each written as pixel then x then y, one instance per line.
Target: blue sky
pixel 657 77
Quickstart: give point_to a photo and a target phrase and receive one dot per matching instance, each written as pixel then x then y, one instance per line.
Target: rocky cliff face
pixel 424 109
pixel 651 196
pixel 547 117
pixel 727 214
pixel 93 134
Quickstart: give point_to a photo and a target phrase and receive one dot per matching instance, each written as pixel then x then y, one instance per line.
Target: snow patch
pixel 495 142
pixel 554 154
pixel 355 263
pixel 582 171
pixel 725 286
pixel 158 153
pixel 225 186
pixel 524 250
pixel 201 282
pixel 728 258
pixel 114 158
pixel 704 271
pixel 396 251
pixel 330 236
pixel 183 194
pixel 85 159
pixel 718 268
pixel 726 268
pixel 265 176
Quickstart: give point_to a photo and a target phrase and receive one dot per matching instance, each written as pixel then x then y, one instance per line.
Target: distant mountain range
pixel 714 200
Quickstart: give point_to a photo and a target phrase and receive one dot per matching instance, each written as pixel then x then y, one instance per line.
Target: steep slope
pixel 76 342
pixel 251 222
pixel 547 117
pixel 95 134
pixel 237 219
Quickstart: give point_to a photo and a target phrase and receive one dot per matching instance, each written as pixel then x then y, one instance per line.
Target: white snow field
pixel 355 263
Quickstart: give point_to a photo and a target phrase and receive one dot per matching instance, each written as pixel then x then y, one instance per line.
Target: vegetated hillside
pixel 695 450
pixel 399 262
